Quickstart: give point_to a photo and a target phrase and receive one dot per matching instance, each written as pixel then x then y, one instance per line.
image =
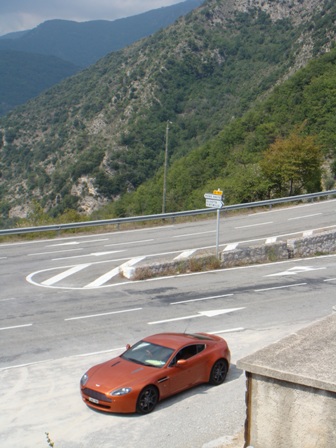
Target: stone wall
pixel 315 244
pixel 307 246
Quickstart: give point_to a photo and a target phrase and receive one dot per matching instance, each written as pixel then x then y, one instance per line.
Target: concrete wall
pixel 287 415
pixel 307 246
pixel 291 390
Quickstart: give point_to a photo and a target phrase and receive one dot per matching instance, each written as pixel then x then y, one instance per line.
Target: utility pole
pixel 165 171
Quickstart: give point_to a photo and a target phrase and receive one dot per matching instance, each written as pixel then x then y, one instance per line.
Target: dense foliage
pixel 24 76
pixel 276 149
pixel 102 133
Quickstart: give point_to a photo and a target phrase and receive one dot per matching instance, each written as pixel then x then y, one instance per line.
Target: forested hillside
pixel 36 59
pixel 283 146
pixel 24 76
pixel 227 76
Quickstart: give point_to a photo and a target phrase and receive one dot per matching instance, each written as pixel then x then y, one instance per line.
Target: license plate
pixel 93 400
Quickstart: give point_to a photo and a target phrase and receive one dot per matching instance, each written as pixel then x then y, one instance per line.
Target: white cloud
pixel 17 15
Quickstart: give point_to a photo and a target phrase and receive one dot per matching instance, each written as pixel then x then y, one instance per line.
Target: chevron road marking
pixel 63 275
pixel 211 313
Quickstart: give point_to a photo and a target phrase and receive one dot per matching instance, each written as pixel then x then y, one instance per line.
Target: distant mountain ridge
pixel 100 135
pixel 34 60
pixel 83 43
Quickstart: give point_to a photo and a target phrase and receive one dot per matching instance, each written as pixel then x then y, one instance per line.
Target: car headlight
pixel 84 379
pixel 122 391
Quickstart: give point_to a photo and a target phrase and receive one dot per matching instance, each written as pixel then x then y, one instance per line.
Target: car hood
pixel 118 373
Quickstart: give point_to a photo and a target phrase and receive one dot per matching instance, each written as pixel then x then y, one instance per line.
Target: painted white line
pixel 304 217
pixel 210 313
pixel 329 280
pixel 231 246
pixel 130 242
pixel 96 254
pixel 15 327
pixel 185 254
pixel 3 258
pixel 295 270
pixel 255 225
pixel 70 243
pixel 102 314
pixel 100 353
pixel 53 252
pixel 280 287
pixel 192 234
pixel 63 275
pixel 271 240
pixel 83 355
pixel 103 279
pixel 113 273
pixel 203 298
pixel 7 300
pixel 230 330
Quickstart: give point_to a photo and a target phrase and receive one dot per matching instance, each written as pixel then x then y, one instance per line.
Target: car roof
pixel 176 340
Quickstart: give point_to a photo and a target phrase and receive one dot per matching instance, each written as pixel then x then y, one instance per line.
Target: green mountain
pixel 24 76
pixel 34 60
pixel 83 43
pixel 231 76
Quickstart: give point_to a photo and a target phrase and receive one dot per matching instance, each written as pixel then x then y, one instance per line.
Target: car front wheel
pixel 218 372
pixel 147 400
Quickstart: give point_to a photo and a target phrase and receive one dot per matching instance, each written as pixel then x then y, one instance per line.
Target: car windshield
pixel 148 354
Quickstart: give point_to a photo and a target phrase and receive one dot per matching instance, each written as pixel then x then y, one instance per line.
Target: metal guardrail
pixel 161 216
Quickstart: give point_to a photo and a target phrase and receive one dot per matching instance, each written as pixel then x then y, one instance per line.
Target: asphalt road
pixel 63 308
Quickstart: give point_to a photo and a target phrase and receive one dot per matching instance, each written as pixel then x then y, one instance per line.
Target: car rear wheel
pixel 218 372
pixel 147 400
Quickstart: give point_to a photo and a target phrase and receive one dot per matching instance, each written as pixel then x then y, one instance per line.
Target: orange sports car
pixel 153 369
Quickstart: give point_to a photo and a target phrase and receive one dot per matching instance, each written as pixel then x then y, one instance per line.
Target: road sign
pixel 213 204
pixel 215 197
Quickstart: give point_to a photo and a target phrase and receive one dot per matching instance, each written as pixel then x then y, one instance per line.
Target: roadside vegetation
pixel 236 124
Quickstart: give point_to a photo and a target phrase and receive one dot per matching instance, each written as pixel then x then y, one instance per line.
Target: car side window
pixel 188 352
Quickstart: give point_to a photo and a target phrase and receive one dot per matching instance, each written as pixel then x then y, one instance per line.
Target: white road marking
pixel 230 330
pixel 185 254
pixel 95 254
pixel 192 234
pixel 53 252
pixel 329 280
pixel 100 352
pixel 113 273
pixel 130 242
pixel 295 270
pixel 78 242
pixel 16 326
pixel 304 217
pixel 231 246
pixel 255 225
pixel 201 299
pixel 271 240
pixel 103 279
pixel 210 313
pixel 280 287
pixel 64 274
pixel 102 314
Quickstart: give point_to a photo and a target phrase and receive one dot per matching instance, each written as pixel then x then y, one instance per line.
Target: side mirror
pixel 181 362
pixel 128 346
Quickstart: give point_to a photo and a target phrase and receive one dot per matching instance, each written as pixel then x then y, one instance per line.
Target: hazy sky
pixel 17 15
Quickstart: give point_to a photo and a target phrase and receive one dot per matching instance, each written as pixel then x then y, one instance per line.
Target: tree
pixel 292 165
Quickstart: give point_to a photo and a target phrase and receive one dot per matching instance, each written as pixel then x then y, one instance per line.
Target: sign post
pixel 215 200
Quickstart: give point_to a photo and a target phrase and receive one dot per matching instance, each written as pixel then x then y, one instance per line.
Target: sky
pixel 19 15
